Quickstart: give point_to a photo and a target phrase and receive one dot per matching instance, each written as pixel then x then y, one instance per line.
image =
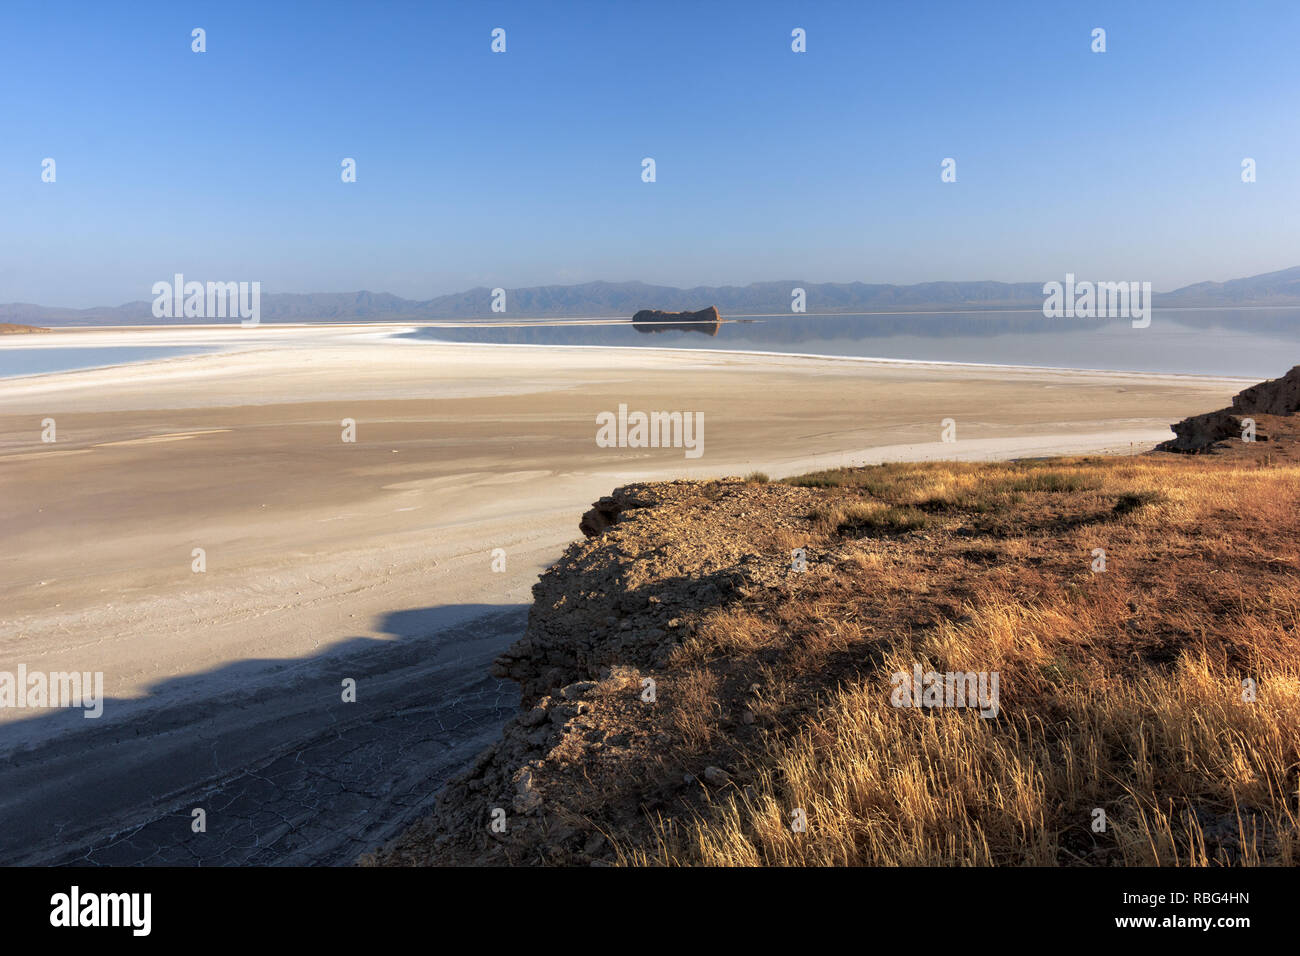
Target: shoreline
pixel 380 552
pixel 311 334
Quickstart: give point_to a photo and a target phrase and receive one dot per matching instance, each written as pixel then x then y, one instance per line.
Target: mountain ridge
pixel 604 298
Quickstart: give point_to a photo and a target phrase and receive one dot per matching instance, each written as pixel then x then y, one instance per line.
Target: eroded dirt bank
pixel 771 679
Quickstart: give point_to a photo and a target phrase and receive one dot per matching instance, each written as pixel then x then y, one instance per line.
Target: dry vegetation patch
pixel 767 620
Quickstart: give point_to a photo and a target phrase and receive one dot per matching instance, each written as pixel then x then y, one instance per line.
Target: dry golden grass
pixel 695 708
pixel 1121 691
pixel 728 630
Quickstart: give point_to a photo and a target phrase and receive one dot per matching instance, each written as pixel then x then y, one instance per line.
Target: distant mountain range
pixel 624 298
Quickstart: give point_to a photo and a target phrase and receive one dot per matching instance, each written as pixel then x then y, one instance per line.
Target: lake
pixel 1254 344
pixel 35 361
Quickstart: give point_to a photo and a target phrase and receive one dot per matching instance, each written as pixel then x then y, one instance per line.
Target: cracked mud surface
pixel 286 775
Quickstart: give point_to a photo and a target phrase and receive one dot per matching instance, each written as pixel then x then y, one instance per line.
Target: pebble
pixel 533 717
pixel 578 689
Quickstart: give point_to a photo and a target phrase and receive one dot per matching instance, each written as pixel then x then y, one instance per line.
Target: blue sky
pixel 524 168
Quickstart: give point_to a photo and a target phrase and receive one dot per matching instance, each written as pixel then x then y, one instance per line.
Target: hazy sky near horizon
pixel 524 168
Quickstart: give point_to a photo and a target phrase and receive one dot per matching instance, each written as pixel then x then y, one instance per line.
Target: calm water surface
pixel 27 361
pixel 1254 344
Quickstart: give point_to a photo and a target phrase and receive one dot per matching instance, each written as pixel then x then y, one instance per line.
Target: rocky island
pixel 705 321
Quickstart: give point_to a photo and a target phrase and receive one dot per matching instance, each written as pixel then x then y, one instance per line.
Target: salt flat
pixel 321 553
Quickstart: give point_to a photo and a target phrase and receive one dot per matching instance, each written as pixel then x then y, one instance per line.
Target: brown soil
pixel 755 665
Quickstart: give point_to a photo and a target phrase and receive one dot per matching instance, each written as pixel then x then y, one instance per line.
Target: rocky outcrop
pixel 1206 433
pixel 592 752
pixel 1277 396
pixel 605 513
pixel 1212 431
pixel 599 608
pixel 705 321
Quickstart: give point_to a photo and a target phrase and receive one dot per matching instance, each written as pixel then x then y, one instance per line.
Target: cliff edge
pixel 1265 403
pixel 730 673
